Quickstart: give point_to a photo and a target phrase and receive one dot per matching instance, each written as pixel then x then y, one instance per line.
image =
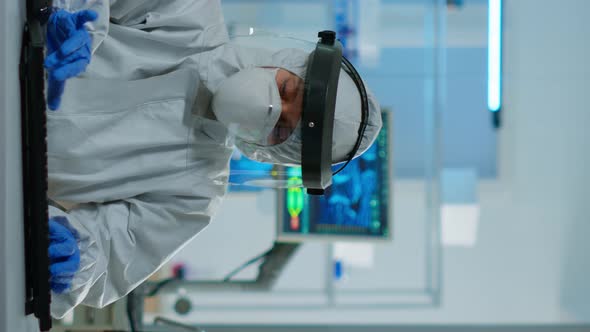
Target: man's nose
pixel 290 115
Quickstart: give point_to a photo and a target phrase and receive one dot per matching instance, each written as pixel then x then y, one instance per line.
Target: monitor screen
pixel 355 206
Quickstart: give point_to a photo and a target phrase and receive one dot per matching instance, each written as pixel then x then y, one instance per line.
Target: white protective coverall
pixel 137 162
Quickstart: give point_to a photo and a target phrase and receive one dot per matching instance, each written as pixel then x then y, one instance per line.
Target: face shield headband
pixel 319 104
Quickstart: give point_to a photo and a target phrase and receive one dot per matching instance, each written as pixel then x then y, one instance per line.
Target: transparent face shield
pixel 261 106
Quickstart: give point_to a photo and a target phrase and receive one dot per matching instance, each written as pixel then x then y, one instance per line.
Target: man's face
pixel 291 90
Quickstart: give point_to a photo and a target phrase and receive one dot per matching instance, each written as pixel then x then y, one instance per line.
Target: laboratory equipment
pixel 355 207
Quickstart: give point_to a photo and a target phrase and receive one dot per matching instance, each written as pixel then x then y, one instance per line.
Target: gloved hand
pixel 64 255
pixel 68 49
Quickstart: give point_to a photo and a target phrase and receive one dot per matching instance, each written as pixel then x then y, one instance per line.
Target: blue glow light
pixel 494 55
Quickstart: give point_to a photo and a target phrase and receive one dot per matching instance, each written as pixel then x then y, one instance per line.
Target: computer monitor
pixel 356 206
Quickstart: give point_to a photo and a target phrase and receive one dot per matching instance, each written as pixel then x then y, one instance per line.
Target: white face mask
pixel 248 103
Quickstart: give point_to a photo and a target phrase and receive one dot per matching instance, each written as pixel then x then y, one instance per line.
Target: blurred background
pixel 480 203
pixel 488 211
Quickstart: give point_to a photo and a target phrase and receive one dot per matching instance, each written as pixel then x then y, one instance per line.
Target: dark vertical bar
pixel 497 119
pixel 34 142
pixel 25 159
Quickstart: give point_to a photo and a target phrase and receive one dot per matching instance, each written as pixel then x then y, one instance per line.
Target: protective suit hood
pixel 348 104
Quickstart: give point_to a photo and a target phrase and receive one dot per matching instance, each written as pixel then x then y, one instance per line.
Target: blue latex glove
pixel 64 255
pixel 68 49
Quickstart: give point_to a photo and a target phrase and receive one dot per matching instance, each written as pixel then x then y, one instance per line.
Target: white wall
pixel 530 264
pixel 547 149
pixel 12 288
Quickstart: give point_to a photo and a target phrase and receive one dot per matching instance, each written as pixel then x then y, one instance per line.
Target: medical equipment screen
pixel 355 206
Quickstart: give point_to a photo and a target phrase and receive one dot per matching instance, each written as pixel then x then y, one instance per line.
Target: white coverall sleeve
pixel 122 243
pixel 146 14
pixel 169 15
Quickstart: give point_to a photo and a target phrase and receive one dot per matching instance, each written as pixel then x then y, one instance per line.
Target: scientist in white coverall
pixel 139 149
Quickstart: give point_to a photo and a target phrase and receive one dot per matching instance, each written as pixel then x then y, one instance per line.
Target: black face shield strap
pixel 319 104
pixel 349 69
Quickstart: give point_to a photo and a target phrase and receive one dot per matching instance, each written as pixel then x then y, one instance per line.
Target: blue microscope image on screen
pixel 355 205
pixel 349 199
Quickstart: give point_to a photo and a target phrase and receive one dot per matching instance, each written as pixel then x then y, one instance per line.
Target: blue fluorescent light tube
pixel 494 55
